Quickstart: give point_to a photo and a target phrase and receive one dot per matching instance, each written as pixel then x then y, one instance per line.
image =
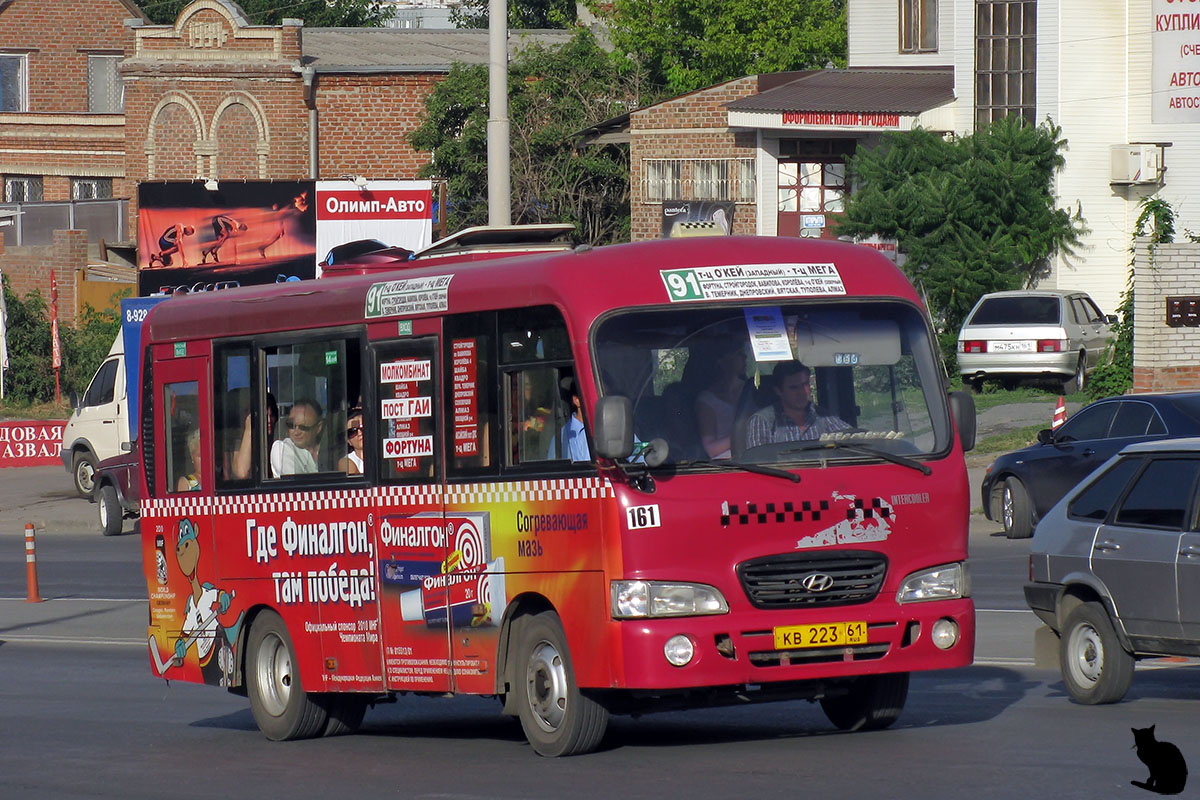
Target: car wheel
pixel 281 707
pixel 83 471
pixel 558 718
pixel 1015 512
pixel 873 702
pixel 1095 668
pixel 109 510
pixel 1075 383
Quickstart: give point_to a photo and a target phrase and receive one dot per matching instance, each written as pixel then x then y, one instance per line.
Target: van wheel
pixel 1015 512
pixel 281 707
pixel 873 702
pixel 1095 668
pixel 558 718
pixel 1075 383
pixel 83 471
pixel 109 509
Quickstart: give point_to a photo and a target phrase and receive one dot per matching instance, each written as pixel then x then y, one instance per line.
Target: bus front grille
pixel 813 580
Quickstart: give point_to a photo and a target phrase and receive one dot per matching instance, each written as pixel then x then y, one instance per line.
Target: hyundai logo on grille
pixel 817 582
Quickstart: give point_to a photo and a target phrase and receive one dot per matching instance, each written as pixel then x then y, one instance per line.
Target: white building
pixel 1120 77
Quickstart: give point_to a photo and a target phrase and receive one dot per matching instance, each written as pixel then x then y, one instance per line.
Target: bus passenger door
pixel 411 540
pixel 188 607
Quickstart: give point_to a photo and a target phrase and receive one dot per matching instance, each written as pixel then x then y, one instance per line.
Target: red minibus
pixel 621 479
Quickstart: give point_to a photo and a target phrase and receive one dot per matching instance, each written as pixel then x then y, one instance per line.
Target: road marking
pixel 1003 611
pixel 1003 662
pixel 20 638
pixel 84 599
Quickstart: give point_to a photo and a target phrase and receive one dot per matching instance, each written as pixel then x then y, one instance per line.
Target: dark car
pixel 1115 568
pixel 116 491
pixel 1020 487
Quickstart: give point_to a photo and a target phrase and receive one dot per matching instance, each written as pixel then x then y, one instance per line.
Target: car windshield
pixel 1016 310
pixel 778 384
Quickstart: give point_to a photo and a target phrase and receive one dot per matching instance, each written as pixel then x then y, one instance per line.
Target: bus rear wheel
pixel 558 718
pixel 873 702
pixel 279 703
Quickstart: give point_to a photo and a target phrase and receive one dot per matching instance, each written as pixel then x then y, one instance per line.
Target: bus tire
pixel 281 707
pixel 1096 669
pixel 558 718
pixel 346 712
pixel 109 511
pixel 873 702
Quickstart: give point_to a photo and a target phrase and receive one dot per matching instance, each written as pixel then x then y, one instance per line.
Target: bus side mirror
pixel 613 432
pixel 962 408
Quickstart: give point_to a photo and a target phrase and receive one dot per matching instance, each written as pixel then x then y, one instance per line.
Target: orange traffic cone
pixel 1060 413
pixel 31 579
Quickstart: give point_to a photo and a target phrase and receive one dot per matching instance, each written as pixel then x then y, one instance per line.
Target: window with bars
pixel 14 70
pixel 918 26
pixel 812 187
pixel 106 90
pixel 720 179
pixel 1005 60
pixel 22 188
pixel 91 189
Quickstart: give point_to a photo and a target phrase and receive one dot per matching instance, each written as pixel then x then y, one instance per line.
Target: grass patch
pixel 1009 440
pixel 51 410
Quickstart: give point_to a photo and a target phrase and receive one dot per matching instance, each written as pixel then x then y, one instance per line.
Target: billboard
pixel 246 231
pixel 396 213
pixel 686 218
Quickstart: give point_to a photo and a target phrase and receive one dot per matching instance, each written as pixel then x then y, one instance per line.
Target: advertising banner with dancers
pixel 251 232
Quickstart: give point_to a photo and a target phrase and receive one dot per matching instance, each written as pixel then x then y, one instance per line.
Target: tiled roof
pixel 409 50
pixel 862 89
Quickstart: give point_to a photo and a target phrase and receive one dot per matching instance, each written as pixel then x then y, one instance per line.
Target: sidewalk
pixel 45 497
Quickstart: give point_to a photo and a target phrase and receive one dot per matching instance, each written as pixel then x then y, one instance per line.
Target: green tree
pixel 552 94
pixel 30 376
pixel 315 13
pixel 972 214
pixel 531 14
pixel 690 44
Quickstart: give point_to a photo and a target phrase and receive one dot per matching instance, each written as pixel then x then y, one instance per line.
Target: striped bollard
pixel 32 595
pixel 1060 413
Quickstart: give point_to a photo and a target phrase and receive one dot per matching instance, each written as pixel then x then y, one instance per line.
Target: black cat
pixel 1168 771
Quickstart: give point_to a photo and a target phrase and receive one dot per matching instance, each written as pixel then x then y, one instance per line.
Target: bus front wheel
pixel 557 717
pixel 872 702
pixel 279 703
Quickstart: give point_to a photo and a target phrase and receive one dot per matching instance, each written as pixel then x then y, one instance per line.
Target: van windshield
pixel 772 384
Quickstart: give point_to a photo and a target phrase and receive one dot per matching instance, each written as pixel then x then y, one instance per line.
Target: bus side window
pixel 538 382
pixel 469 379
pixel 406 436
pixel 181 438
pixel 314 383
pixel 233 399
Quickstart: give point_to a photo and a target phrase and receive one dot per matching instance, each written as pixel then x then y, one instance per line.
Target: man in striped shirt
pixel 792 417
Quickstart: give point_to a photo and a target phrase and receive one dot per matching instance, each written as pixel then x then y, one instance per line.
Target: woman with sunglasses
pixel 352 463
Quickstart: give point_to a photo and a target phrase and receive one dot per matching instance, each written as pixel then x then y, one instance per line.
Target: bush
pixel 30 375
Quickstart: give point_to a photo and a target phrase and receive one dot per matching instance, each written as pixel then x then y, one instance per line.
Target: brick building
pixel 62 124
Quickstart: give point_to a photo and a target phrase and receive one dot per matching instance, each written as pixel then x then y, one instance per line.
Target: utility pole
pixel 499 188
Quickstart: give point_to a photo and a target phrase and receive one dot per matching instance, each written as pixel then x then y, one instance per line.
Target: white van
pixel 99 428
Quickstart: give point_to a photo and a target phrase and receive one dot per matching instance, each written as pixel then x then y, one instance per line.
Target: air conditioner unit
pixel 1135 163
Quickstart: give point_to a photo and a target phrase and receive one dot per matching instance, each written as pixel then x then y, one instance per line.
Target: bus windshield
pixel 778 384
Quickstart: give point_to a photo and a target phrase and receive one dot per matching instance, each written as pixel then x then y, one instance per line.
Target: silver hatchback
pixel 1115 567
pixel 1038 333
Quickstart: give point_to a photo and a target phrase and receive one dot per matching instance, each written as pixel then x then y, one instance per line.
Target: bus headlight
pixel 946 582
pixel 634 599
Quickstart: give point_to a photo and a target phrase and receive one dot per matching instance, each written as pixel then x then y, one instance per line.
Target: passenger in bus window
pixel 571 441
pixel 298 453
pixel 718 402
pixel 243 456
pixel 792 417
pixel 191 481
pixel 352 463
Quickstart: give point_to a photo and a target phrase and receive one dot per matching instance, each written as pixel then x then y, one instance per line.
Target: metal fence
pixel 35 223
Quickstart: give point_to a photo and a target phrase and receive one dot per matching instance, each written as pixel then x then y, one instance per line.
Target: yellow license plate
pixel 831 634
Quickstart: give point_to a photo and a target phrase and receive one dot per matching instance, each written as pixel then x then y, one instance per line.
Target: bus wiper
pixel 736 466
pixel 861 449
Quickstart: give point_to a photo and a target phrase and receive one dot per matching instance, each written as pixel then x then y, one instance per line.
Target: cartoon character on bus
pixel 202 626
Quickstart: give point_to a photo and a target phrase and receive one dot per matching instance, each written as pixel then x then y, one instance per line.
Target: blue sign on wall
pixel 134 311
